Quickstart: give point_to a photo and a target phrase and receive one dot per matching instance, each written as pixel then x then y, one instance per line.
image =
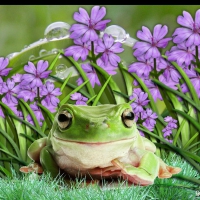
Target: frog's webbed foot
pixel 144 174
pixel 33 167
pixel 166 171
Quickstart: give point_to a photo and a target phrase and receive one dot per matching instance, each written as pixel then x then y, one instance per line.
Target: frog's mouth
pixel 95 143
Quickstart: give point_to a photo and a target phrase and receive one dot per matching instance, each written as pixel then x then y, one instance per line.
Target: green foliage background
pixel 21 25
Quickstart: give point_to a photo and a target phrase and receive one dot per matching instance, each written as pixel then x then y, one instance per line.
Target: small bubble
pixel 43 52
pixel 119 34
pixel 32 57
pixel 61 68
pixel 55 51
pixel 57 30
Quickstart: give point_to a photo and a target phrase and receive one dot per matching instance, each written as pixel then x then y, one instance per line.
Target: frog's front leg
pixel 48 163
pixel 34 153
pixel 144 173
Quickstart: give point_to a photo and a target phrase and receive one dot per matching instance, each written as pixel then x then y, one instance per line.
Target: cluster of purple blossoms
pixel 85 34
pixel 138 106
pixel 187 40
pixel 149 59
pixel 79 98
pixel 167 131
pixel 30 88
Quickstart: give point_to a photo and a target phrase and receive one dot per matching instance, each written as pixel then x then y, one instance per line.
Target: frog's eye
pixel 64 119
pixel 128 118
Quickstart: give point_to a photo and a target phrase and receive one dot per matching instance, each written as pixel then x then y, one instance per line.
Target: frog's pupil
pixel 63 118
pixel 130 116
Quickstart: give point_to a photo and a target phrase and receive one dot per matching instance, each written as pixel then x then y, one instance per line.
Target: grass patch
pixel 33 187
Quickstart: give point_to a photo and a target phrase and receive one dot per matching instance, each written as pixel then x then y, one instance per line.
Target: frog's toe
pixel 33 167
pixel 166 171
pixel 173 170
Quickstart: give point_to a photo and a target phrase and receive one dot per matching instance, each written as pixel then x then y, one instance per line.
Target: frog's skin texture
pixel 99 142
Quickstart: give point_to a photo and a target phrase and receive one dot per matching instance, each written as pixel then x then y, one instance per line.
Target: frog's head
pixel 94 124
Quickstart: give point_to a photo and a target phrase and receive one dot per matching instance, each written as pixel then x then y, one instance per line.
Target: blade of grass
pixel 192 120
pixel 190 101
pixel 30 111
pixel 101 91
pixel 112 84
pixel 66 81
pixel 190 140
pixel 54 62
pixel 28 124
pixel 83 75
pixel 73 91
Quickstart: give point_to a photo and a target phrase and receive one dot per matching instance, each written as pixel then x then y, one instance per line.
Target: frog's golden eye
pixel 128 118
pixel 64 119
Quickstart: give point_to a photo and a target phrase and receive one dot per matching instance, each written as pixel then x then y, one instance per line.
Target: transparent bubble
pixel 119 35
pixel 61 68
pixel 62 71
pixel 32 57
pixel 57 30
pixel 55 51
pixel 43 52
pixel 12 55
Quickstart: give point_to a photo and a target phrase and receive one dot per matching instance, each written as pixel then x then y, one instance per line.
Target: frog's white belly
pixel 76 156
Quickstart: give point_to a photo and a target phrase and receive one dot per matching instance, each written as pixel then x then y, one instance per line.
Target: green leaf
pixel 112 84
pixel 189 85
pixel 192 120
pixel 190 140
pixel 101 91
pixel 54 62
pixel 15 157
pixel 190 101
pixel 127 79
pixel 66 81
pixel 5 171
pixel 27 136
pixel 30 111
pixel 73 91
pixel 91 99
pixel 28 124
pixel 83 75
pixel 11 141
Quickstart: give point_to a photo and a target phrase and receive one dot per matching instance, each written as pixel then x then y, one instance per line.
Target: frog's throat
pixel 97 143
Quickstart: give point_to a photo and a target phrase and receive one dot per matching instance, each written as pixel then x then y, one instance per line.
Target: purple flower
pixel 3 64
pixel 80 100
pixel 17 78
pixel 167 131
pixel 190 30
pixel 141 133
pixel 109 49
pixel 11 90
pixel 80 50
pixel 91 74
pixel 170 83
pixel 50 92
pixel 149 117
pixel 171 73
pixel 50 107
pixel 108 68
pixel 150 44
pixel 26 92
pixel 141 100
pixel 89 25
pixel 182 54
pixel 154 90
pixel 35 74
pixel 142 68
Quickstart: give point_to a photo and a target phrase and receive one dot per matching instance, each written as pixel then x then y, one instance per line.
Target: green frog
pixel 99 142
